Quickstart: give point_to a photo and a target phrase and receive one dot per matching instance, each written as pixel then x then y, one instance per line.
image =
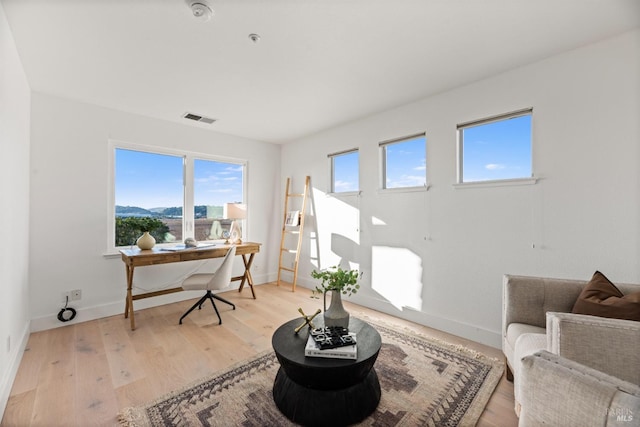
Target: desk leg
pixel 247 274
pixel 128 305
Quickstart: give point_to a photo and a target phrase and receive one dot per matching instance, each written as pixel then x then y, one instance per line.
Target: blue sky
pixel 406 166
pixel 217 183
pixel 406 163
pixel 345 172
pixel 498 150
pixel 150 180
pixel 491 151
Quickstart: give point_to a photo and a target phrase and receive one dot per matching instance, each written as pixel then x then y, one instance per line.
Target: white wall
pixel 14 210
pixel 69 197
pixel 444 251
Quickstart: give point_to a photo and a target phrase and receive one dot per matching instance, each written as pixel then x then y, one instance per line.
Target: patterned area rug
pixel 424 382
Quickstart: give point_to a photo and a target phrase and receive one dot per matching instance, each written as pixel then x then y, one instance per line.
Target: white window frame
pixel 332 176
pixel 382 146
pixel 188 215
pixel 497 182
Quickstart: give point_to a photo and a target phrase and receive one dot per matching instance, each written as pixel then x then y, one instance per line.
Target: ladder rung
pixel 293 230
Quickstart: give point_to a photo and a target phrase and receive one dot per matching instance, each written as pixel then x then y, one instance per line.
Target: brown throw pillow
pixel 602 298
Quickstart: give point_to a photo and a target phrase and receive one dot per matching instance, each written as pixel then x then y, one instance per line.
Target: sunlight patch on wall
pixel 338 230
pixel 396 274
pixel 377 221
pixel 342 218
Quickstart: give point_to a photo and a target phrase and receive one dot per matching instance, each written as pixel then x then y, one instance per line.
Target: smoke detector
pixel 201 10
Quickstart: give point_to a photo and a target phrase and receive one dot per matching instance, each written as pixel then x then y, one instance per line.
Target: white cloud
pixel 494 166
pixel 407 181
pixel 343 185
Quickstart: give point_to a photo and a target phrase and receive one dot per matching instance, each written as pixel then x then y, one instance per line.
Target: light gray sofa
pixel 540 335
pixel 560 392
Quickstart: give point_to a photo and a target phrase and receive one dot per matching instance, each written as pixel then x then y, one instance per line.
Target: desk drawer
pixel 165 258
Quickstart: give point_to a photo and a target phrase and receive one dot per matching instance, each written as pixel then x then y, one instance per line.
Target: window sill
pixel 344 194
pixel 497 183
pixel 404 189
pixel 109 254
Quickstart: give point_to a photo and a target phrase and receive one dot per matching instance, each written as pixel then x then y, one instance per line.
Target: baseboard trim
pixel 117 308
pixel 454 327
pixel 12 370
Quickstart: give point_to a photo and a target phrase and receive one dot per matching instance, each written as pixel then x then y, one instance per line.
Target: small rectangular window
pixel 497 148
pixel 404 162
pixel 345 171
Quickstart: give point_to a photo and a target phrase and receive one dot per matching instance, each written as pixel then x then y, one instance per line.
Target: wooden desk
pixel 137 258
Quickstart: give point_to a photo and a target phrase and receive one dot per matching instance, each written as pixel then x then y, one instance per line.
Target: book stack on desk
pixel 333 343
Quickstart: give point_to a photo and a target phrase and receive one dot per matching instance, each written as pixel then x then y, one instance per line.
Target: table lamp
pixel 235 212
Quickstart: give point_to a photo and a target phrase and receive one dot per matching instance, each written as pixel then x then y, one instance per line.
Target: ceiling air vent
pixel 198 118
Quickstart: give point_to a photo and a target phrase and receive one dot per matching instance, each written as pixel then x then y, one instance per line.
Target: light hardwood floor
pixel 84 374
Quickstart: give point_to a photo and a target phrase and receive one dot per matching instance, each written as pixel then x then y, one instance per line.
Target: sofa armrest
pixel 526 299
pixel 520 297
pixel 607 345
pixel 560 392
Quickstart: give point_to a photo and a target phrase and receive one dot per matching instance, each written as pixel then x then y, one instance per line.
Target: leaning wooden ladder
pixel 292 228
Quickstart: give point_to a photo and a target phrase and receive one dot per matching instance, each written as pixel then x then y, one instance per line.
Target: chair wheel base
pixel 208 296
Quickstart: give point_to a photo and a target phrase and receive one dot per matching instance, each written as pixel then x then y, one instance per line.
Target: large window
pixel 175 195
pixel 345 170
pixel 404 162
pixel 498 148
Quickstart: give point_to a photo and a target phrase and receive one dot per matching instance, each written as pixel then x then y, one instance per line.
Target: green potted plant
pixel 339 282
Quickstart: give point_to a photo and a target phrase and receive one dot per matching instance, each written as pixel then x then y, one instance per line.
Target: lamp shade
pixel 235 211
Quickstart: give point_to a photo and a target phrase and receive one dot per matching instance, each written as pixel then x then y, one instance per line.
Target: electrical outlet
pixel 76 295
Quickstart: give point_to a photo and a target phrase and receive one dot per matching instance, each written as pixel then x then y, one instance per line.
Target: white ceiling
pixel 319 63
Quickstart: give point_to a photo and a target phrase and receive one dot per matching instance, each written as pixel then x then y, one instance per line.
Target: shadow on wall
pixel 396 272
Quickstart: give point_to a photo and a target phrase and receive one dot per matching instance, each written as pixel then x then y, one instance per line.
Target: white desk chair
pixel 210 282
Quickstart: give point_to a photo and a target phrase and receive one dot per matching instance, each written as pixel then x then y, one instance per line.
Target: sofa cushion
pixel 514 330
pixel 526 344
pixel 602 298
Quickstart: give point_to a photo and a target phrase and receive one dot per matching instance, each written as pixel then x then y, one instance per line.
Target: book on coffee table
pixel 344 352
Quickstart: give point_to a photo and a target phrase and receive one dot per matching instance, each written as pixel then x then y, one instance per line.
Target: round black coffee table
pixel 315 391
